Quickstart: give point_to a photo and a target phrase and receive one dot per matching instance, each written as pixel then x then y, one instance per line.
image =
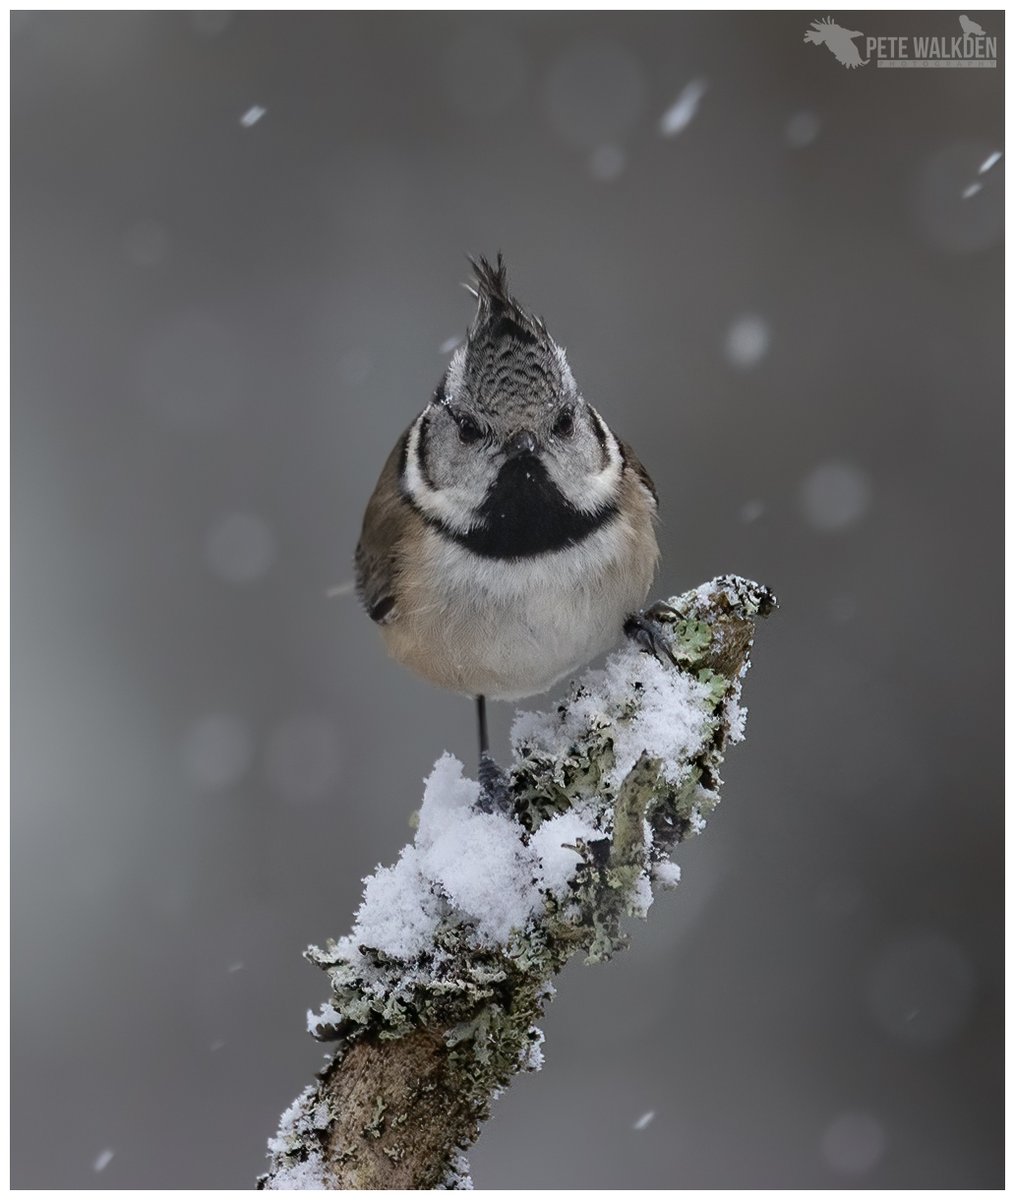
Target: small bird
pixel 510 537
pixel 969 27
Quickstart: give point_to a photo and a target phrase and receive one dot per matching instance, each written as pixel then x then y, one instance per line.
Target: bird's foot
pixel 644 628
pixel 494 788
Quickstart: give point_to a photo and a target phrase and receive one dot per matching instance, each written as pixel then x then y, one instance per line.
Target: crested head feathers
pixel 496 304
pixel 509 359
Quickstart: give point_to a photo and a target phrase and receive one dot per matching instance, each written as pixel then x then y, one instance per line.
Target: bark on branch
pixel 437 991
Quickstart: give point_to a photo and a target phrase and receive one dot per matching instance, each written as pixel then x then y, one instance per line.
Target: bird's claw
pixel 643 628
pixel 494 788
pixel 662 613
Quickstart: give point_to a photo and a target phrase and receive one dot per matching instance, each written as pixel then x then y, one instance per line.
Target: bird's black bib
pixel 525 515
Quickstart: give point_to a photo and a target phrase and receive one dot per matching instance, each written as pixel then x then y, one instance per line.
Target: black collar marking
pixel 525 515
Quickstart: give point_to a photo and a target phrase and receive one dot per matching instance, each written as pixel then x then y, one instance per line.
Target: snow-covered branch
pixel 437 989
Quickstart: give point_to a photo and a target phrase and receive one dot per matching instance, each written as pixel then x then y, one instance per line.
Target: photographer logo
pixel 973 47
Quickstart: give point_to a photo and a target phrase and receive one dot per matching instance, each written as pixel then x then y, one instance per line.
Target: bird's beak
pixel 521 443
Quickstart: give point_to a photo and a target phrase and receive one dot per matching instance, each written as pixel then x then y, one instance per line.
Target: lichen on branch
pixel 436 992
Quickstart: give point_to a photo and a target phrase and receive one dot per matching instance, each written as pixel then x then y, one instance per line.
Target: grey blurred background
pixel 790 304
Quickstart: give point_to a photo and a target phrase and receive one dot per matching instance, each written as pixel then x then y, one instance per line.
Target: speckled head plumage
pixel 509 364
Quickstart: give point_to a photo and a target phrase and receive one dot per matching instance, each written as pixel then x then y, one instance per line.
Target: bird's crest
pixel 509 361
pixel 499 313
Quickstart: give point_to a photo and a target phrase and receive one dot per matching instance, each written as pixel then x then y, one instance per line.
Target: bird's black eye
pixel 468 430
pixel 564 425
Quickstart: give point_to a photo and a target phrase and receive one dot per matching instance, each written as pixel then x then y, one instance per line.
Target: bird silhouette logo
pixel 838 40
pixel 970 28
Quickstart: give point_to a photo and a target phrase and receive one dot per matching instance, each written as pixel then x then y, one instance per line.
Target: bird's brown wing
pixel 633 464
pixel 377 551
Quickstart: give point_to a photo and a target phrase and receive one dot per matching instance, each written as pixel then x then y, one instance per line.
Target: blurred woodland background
pixel 238 240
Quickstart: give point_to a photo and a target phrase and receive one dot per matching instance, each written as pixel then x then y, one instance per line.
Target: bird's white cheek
pixel 453 506
pixel 592 491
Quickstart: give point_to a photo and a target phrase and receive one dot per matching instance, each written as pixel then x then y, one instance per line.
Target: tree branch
pixel 437 990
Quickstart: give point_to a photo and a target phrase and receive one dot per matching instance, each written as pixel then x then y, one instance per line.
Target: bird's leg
pixel 643 628
pixel 494 792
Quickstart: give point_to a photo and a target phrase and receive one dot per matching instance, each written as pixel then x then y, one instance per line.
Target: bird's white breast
pixel 507 629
